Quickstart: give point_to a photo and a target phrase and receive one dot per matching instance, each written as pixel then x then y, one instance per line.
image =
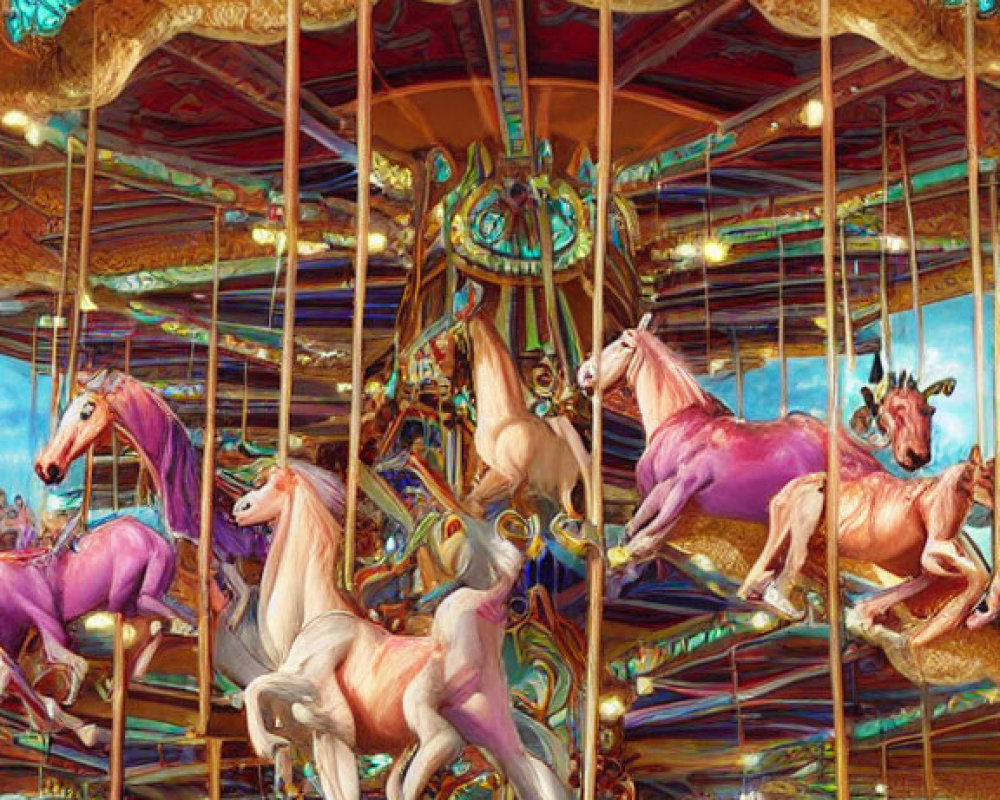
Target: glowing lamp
pixel 33 134
pixel 760 621
pixel 812 113
pixel 611 708
pixel 377 242
pixel 895 244
pixel 15 119
pixel 715 251
pixel 686 250
pixel 87 303
pixel 262 235
pixel 644 686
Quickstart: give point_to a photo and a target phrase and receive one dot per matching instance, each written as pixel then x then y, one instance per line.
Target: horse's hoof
pixel 979 619
pixel 618 557
pixel 774 599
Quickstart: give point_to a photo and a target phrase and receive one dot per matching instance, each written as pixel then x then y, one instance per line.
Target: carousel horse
pixel 112 400
pixel 906 527
pixel 520 449
pixel 887 399
pixel 696 450
pixel 349 687
pixel 299 580
pixel 122 566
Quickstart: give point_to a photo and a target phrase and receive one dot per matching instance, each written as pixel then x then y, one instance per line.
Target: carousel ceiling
pixel 709 112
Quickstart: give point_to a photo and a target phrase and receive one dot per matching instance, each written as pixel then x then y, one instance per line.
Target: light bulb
pixel 812 113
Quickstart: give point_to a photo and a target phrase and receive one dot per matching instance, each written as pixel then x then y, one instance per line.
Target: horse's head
pixel 901 413
pixel 615 359
pixel 88 417
pixel 982 478
pixel 265 503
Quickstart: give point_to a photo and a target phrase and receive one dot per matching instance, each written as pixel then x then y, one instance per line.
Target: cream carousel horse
pixel 354 688
pixel 520 449
pixel 297 584
pixel 907 527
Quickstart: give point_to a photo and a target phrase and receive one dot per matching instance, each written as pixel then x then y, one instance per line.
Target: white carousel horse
pixel 348 687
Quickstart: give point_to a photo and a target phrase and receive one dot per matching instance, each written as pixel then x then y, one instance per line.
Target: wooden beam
pixel 685 27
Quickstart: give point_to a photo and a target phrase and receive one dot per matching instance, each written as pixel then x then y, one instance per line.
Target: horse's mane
pixel 500 355
pixel 674 373
pixel 323 496
pixel 329 489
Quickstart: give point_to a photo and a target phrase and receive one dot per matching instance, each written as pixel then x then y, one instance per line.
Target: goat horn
pixel 877 373
pixel 945 387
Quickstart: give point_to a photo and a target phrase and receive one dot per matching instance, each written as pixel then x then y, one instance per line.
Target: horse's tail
pixel 503 558
pixel 564 430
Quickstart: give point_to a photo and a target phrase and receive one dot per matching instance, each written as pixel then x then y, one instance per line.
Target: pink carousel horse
pixel 348 687
pixel 907 527
pixel 121 566
pixel 519 448
pixel 112 400
pixel 698 452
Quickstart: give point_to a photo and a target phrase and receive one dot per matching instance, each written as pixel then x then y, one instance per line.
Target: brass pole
pixel 782 358
pixel 975 240
pixel 88 488
pixel 918 312
pixel 116 772
pixel 704 255
pixel 926 736
pixel 845 290
pixel 59 309
pixel 995 241
pixel 883 265
pixel 86 215
pixel 364 143
pixel 245 411
pixel 829 143
pixel 884 768
pixel 213 764
pixel 34 375
pixel 290 187
pixel 595 554
pixel 205 671
pixel 738 372
pixel 549 285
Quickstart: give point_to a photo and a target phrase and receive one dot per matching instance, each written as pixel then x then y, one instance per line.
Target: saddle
pixel 25 556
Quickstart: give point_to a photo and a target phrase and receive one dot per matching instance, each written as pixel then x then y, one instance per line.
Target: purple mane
pixel 146 419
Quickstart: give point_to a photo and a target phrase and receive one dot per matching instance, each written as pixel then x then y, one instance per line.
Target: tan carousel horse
pixel 907 527
pixel 520 449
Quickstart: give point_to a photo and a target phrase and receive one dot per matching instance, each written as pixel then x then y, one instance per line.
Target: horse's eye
pixel 87 411
pixel 625 344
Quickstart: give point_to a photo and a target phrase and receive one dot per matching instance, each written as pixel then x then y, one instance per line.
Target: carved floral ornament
pixel 55 76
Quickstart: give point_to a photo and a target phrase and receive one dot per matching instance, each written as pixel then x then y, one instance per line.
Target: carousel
pixel 488 399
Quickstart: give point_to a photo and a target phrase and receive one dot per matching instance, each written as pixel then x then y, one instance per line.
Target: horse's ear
pixel 644 323
pixel 869 398
pixel 91 380
pixel 976 455
pixel 877 372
